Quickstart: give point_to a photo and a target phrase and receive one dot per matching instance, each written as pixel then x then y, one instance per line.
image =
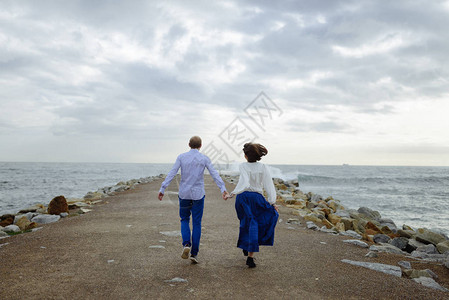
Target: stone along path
pixel 125 249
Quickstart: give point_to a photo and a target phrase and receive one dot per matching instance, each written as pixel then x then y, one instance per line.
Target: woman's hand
pixel 227 196
pixel 276 207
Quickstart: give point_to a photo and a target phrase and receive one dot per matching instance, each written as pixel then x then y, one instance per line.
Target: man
pixel 191 194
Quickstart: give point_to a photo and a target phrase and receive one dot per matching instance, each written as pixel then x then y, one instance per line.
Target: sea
pixel 416 196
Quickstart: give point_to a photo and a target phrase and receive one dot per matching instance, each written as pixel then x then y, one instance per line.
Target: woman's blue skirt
pixel 258 220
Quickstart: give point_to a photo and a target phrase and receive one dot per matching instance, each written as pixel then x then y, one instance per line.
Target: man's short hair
pixel 195 142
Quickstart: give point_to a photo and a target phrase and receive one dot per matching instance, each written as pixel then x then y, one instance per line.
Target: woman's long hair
pixel 254 152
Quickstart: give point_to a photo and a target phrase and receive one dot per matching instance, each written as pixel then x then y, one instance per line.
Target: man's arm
pixel 218 181
pixel 169 178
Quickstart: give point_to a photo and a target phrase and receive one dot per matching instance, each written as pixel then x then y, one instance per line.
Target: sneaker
pixel 245 253
pixel 194 259
pixel 250 262
pixel 185 252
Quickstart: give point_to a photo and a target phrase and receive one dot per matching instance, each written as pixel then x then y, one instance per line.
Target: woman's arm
pixel 243 180
pixel 268 185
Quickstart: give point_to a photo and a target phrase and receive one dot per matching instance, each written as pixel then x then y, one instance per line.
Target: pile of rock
pixel 60 207
pixel 367 223
pixel 328 215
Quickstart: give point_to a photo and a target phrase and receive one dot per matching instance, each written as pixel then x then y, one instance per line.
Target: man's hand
pixel 225 195
pixel 160 196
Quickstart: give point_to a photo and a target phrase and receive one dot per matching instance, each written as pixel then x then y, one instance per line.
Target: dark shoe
pixel 250 262
pixel 194 259
pixel 245 252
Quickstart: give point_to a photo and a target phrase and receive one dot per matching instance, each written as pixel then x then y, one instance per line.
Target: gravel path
pixel 117 251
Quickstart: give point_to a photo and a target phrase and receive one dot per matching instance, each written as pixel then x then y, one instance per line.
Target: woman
pixel 258 216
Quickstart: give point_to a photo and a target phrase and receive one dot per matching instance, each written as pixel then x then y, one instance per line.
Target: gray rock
pixel 429 257
pixel 311 225
pixel 446 263
pixel 1 245
pixel 11 228
pixel 351 233
pixel 119 188
pixel 405 264
pixel 414 244
pixel 429 249
pixel 369 213
pixel 429 237
pixel 443 247
pixel 343 214
pixel 293 221
pixel 405 233
pixel 429 282
pixel 389 223
pixel 45 219
pixel 381 238
pixel 400 242
pixel 357 243
pixel 316 198
pixel 176 280
pixel 64 215
pixel 386 248
pixel 387 269
pixel 371 254
pixel 326 230
pixel 2 233
pixel 28 215
pixel 431 273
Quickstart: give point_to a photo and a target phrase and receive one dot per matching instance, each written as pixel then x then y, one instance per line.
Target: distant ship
pixel 345 164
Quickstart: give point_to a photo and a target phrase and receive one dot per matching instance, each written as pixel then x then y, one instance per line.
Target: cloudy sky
pixel 358 82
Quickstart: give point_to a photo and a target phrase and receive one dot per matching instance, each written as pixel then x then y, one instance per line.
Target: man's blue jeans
pixel 194 208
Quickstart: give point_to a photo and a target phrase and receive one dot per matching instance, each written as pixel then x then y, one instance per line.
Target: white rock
pixel 11 228
pixel 171 233
pixel 157 247
pixel 64 215
pixel 429 282
pixel 29 216
pixel 2 233
pixel 45 219
pixel 36 229
pixel 357 243
pixel 1 245
pixel 176 279
pixel 387 269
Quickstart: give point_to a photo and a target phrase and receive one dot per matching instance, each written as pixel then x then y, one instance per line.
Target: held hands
pixel 226 195
pixel 160 196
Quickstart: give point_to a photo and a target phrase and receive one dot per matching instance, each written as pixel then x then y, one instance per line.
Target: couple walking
pixel 258 216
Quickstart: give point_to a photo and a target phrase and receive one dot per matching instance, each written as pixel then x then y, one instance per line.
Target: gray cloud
pixel 96 68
